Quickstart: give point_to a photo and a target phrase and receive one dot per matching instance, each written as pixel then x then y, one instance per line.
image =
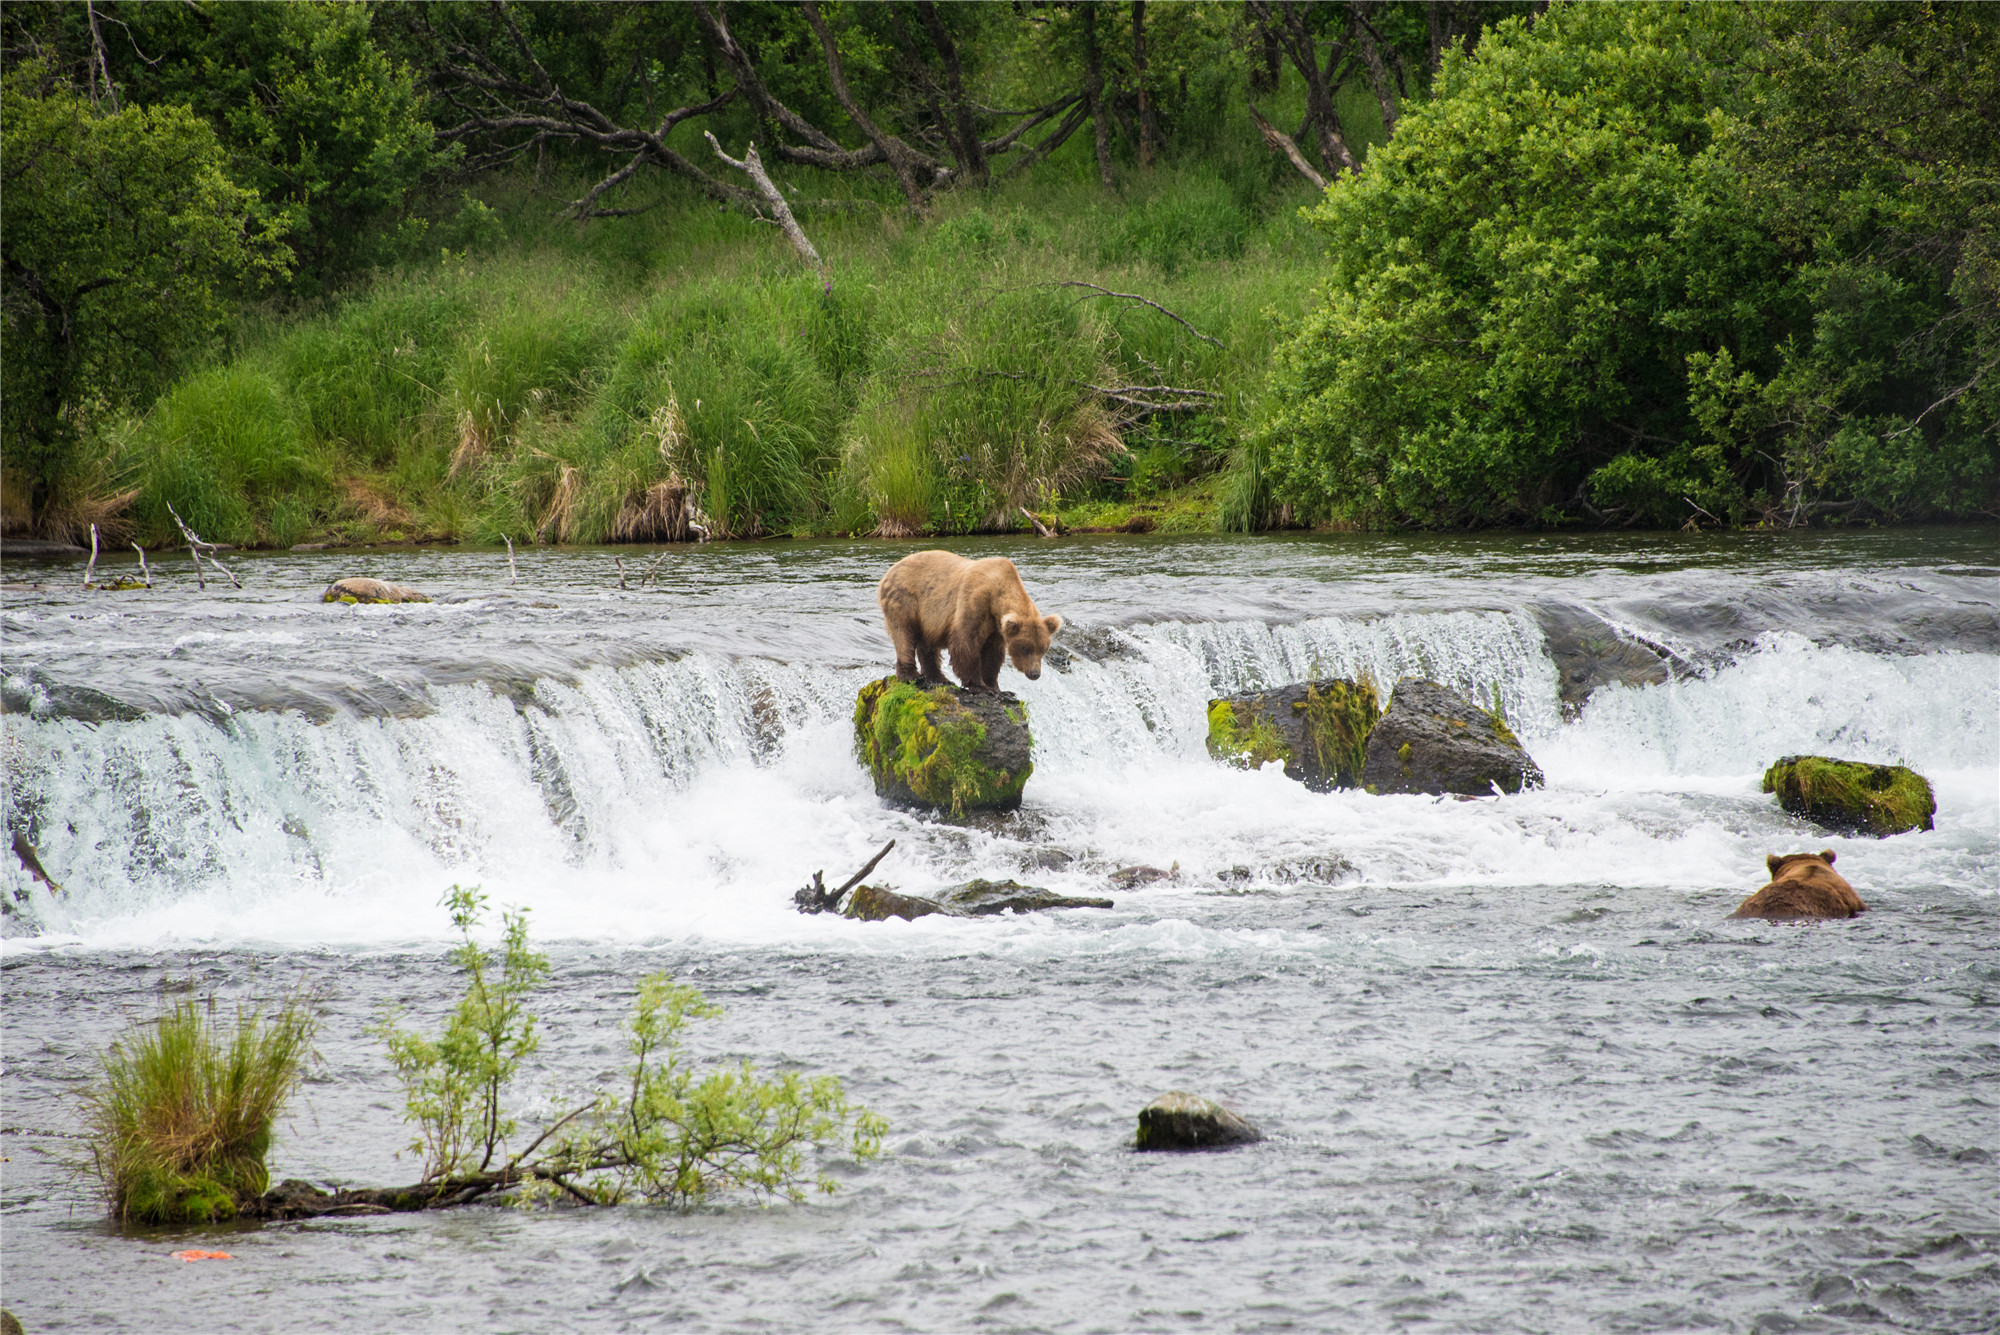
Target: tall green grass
pixel 676 373
pixel 182 1115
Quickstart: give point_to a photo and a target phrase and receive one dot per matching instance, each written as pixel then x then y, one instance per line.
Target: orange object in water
pixel 203 1256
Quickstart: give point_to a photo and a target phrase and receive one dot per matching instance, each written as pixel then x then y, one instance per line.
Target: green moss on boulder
pixel 941 747
pixel 1852 796
pixel 1317 729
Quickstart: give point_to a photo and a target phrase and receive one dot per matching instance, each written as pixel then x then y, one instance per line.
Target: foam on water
pixel 688 798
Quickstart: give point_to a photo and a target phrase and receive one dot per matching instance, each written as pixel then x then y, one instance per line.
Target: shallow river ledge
pixel 1516 1069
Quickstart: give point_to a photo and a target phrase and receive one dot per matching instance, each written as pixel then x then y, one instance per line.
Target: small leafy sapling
pixel 666 1134
pixel 454 1082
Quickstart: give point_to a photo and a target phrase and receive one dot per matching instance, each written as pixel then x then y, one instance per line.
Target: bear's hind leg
pixel 968 660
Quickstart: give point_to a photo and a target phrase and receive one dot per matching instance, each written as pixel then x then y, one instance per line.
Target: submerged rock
pixel 1131 878
pixel 1853 796
pixel 973 899
pixel 1803 885
pixel 938 746
pixel 1318 729
pixel 1177 1121
pixel 1434 740
pixel 1589 654
pixel 978 898
pixel 360 590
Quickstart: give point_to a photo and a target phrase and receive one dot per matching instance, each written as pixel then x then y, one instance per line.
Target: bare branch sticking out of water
pixel 621 571
pixel 144 573
pixel 90 570
pixel 816 898
pixel 513 574
pixel 1041 528
pixel 197 548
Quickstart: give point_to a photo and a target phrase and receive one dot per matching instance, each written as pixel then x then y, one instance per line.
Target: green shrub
pixel 182 1115
pixel 224 449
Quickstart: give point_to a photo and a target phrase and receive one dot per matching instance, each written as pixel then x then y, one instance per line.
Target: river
pixel 1516 1068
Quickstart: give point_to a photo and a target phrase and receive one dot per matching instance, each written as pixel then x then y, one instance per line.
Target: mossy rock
pixel 1317 729
pixel 1433 740
pixel 973 899
pixel 1177 1121
pixel 1853 796
pixel 940 747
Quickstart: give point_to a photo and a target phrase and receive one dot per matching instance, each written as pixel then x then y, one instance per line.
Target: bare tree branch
pixel 1284 143
pixel 753 167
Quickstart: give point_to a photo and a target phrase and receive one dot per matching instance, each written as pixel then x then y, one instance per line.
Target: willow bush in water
pixel 181 1117
pixel 666 1133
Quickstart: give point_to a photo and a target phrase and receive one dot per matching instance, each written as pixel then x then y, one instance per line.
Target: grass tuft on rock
pixel 1338 717
pixel 924 740
pixel 182 1115
pixel 1246 741
pixel 1851 795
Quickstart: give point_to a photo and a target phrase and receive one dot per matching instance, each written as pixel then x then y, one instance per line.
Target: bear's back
pixel 1803 886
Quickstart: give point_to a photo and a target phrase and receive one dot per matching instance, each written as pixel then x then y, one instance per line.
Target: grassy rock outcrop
pixel 973 899
pixel 1177 1121
pixel 1318 729
pixel 1434 740
pixel 1852 796
pixel 360 590
pixel 938 746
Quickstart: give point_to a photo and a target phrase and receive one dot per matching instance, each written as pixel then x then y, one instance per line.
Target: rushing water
pixel 1517 1070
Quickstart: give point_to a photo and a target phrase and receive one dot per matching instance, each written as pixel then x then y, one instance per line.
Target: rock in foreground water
pixel 1434 740
pixel 361 590
pixel 1852 796
pixel 1177 1121
pixel 941 747
pixel 973 899
pixel 1318 729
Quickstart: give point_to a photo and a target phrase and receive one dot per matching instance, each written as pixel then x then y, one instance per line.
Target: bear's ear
pixel 1053 622
pixel 1009 624
pixel 1773 861
pixel 1826 856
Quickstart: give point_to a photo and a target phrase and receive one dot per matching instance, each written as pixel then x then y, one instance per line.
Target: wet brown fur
pixel 1803 885
pixel 979 611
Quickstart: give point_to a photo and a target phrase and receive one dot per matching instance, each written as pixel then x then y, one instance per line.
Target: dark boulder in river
pixel 362 590
pixel 938 746
pixel 1589 653
pixel 1177 1121
pixel 973 899
pixel 1434 740
pixel 1318 729
pixel 1853 796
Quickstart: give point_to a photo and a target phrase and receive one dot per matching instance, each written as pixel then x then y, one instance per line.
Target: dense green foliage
pixel 181 1117
pixel 1607 264
pixel 1617 270
pixel 119 234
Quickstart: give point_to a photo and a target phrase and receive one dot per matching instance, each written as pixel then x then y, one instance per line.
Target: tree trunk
pixel 1093 96
pixel 1364 38
pixel 971 159
pixel 1149 127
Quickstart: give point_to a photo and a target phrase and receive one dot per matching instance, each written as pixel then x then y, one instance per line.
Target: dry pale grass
pixel 372 504
pixel 565 507
pixel 660 513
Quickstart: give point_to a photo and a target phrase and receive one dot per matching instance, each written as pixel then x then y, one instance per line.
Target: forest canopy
pixel 640 272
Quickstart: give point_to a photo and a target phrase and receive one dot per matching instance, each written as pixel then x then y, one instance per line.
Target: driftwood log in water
pixel 816 898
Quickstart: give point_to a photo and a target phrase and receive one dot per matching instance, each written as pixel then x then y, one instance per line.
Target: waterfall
pixel 633 798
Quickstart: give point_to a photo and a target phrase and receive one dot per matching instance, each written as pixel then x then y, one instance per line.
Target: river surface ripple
pixel 1517 1070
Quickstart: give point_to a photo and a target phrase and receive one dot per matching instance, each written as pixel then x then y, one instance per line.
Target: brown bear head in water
pixel 1803 885
pixel 1027 640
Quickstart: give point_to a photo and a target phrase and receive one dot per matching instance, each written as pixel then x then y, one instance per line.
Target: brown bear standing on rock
pixel 1803 885
pixel 979 610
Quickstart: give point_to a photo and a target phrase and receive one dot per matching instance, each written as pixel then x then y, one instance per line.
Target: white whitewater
pixel 687 799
